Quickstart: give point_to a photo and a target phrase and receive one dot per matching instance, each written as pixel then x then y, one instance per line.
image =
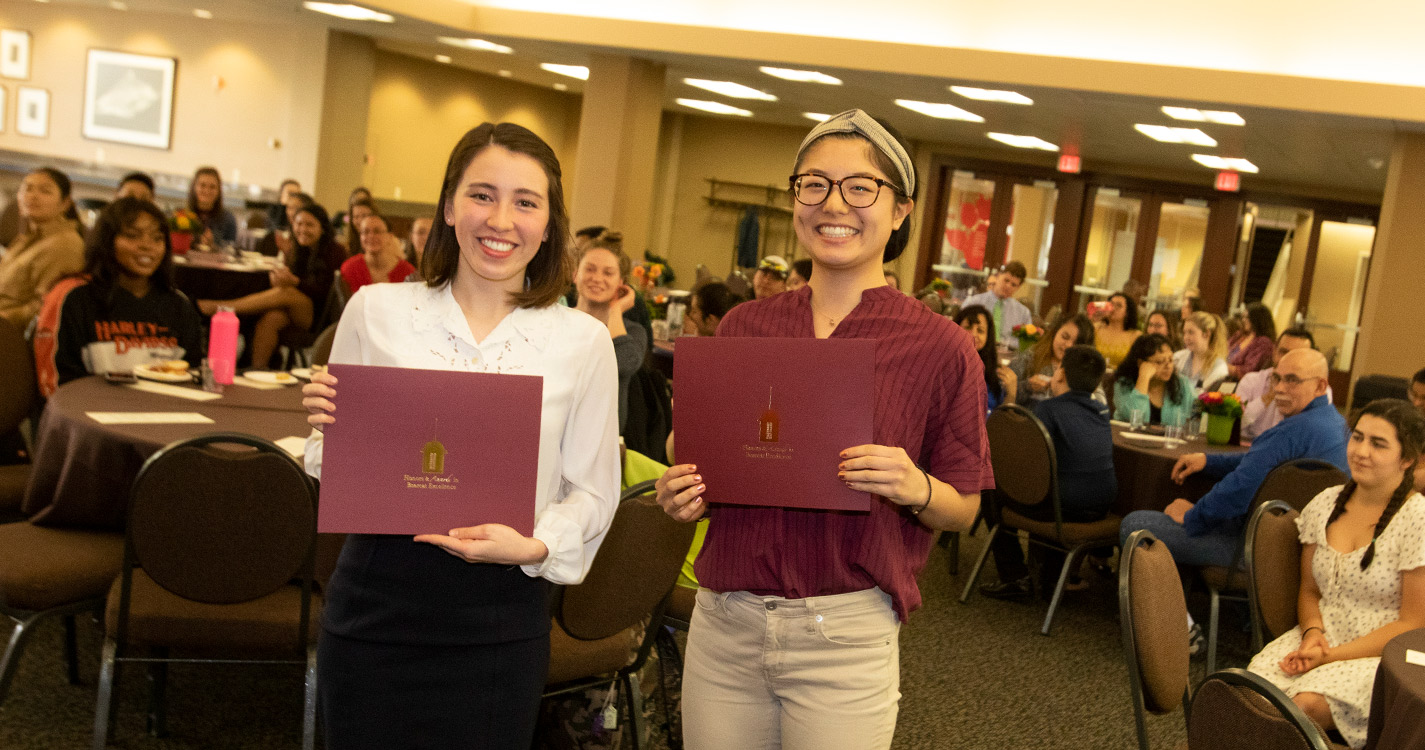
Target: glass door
pixel 966 234
pixel 1029 235
pixel 1108 252
pixel 1177 254
pixel 1338 287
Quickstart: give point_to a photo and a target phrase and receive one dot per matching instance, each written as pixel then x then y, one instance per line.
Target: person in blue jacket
pixel 1207 532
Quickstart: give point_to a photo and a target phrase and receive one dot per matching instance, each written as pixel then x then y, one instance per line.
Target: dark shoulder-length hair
pixel 1262 323
pixel 102 265
pixel 1044 350
pixel 989 353
pixel 1130 310
pixel 66 189
pixel 193 191
pixel 316 211
pixel 547 275
pixel 1143 348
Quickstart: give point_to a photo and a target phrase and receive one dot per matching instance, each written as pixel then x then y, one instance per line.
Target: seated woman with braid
pixel 299 288
pixel 1362 574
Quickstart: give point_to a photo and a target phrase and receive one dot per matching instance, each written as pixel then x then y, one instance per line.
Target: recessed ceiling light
pixel 116 5
pixel 443 59
pixel 1166 134
pixel 561 87
pixel 819 117
pixel 1212 161
pixel 942 111
pixel 505 74
pixel 801 76
pixel 573 71
pixel 728 88
pixel 717 108
pixel 480 44
pixel 349 12
pixel 1023 141
pixel 1204 115
pixel 991 95
pixel 203 14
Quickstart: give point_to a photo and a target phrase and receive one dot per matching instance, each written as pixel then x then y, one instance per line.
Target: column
pixel 346 99
pixel 614 166
pixel 1392 340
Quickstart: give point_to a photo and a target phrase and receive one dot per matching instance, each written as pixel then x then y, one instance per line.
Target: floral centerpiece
pixel 1222 411
pixel 647 275
pixel 1028 335
pixel 182 225
pixel 940 287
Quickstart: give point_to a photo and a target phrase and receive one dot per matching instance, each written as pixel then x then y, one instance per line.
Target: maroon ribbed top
pixel 929 399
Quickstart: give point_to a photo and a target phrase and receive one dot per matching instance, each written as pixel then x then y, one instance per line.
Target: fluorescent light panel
pixel 992 95
pixel 728 88
pixel 573 71
pixel 443 59
pixel 1023 141
pixel 1212 161
pixel 717 108
pixel 1165 134
pixel 819 117
pixel 941 111
pixel 801 76
pixel 203 14
pixel 349 12
pixel 1214 116
pixel 480 44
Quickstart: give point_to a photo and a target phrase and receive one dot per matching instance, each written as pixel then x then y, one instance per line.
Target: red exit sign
pixel 1229 182
pixel 1069 163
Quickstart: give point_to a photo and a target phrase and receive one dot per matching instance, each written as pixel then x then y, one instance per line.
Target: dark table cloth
pixel 82 469
pixel 1397 720
pixel 1145 472
pixel 200 277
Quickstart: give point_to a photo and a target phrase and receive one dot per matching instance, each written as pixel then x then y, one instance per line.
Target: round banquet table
pixel 209 276
pixel 82 469
pixel 1145 472
pixel 1398 699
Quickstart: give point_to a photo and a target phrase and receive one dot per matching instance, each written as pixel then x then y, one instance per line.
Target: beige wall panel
pixel 1393 342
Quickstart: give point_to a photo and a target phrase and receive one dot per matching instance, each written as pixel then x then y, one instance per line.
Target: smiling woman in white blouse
pixel 443 640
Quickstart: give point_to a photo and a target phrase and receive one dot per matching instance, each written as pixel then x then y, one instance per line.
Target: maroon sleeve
pixel 955 436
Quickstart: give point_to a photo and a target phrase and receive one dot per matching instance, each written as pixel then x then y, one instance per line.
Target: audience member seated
pixel 48 247
pixel 601 280
pixel 892 280
pixel 1203 358
pixel 1117 330
pixel 298 288
pixel 1259 406
pixel 279 241
pixel 279 216
pixel 706 307
pixel 1416 389
pixel 801 274
pixel 416 240
pixel 123 310
pixel 1006 311
pixel 1250 349
pixel 1207 532
pixel 1083 446
pixel 771 277
pixel 342 221
pixel 1034 368
pixel 1146 381
pixel 136 185
pixel 1158 322
pixel 380 259
pixel 1362 574
pixel 205 200
pixel 1001 384
pixel 360 209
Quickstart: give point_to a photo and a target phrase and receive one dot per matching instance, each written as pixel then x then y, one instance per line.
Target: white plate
pixel 305 373
pixel 148 373
pixel 279 378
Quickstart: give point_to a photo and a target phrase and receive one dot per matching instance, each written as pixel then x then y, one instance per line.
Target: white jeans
pixel 815 673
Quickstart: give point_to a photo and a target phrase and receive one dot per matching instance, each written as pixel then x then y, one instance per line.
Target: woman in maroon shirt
pixel 794 639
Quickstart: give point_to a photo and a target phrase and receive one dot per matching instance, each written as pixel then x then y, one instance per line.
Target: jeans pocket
pixel 709 601
pixel 870 626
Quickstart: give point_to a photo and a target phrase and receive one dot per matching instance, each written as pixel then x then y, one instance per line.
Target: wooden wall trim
pixel 1219 252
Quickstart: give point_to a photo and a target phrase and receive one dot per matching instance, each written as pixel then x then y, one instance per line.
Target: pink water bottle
pixel 222 345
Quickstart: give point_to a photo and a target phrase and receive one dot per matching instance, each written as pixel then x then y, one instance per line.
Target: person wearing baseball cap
pixel 771 277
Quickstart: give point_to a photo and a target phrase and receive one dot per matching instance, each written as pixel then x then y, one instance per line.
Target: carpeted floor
pixel 972 676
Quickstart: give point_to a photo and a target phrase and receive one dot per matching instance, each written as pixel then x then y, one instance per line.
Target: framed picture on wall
pixel 32 111
pixel 14 54
pixel 128 98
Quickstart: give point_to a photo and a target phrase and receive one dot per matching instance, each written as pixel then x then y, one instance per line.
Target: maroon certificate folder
pixel 427 451
pixel 765 420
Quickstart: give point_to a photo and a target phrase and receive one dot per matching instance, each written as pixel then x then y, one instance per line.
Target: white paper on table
pixel 297 446
pixel 250 383
pixel 191 394
pixel 1414 657
pixel 148 417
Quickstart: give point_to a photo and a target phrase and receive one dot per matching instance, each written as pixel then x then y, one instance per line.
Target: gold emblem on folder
pixel 433 454
pixel 769 425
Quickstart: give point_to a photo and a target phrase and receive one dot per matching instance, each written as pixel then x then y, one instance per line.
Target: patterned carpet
pixel 972 676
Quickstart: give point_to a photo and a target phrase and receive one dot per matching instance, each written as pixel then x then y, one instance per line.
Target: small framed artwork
pixel 32 111
pixel 15 54
pixel 128 98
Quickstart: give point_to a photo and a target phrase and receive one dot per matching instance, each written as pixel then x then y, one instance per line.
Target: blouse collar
pixel 435 308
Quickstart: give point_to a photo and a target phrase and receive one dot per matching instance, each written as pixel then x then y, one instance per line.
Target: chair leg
pixel 1212 630
pixel 954 552
pixel 71 648
pixel 1071 561
pixel 105 705
pixel 979 564
pixel 11 660
pixel 309 704
pixel 158 694
pixel 634 700
pixel 666 645
pixel 979 520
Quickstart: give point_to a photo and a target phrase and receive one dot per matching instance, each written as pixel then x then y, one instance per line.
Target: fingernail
pixel 697 499
pixel 841 475
pixel 692 467
pixel 843 454
pixel 841 466
pixel 697 478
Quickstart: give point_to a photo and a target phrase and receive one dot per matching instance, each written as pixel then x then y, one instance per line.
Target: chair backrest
pixel 1153 616
pixel 1297 482
pixel 18 387
pixel 322 347
pixel 1022 455
pixel 1236 710
pixel 1109 376
pixel 637 565
pixel 335 303
pixel 1273 557
pixel 222 526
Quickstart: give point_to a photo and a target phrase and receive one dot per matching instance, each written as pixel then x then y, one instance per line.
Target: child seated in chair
pixel 1083 446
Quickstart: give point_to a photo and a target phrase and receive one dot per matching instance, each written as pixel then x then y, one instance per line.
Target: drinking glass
pixel 1138 419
